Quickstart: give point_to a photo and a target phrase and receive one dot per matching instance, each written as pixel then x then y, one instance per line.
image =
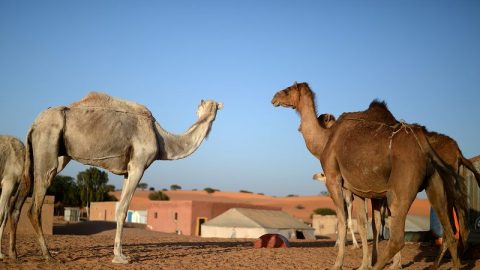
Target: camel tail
pixel 454 184
pixel 28 167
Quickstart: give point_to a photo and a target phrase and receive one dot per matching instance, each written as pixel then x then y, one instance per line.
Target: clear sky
pixel 421 57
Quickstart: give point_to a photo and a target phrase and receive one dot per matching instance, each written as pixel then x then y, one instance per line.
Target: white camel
pixel 14 189
pixel 120 136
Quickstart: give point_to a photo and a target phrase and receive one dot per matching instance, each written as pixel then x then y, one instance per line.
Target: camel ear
pixel 202 101
pixel 219 105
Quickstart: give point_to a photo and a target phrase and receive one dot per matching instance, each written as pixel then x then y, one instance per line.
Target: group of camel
pixel 366 154
pixel 369 154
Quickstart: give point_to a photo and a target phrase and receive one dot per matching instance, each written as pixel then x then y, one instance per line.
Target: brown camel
pixel 120 136
pixel 374 156
pixel 328 120
pixel 14 188
pixel 447 148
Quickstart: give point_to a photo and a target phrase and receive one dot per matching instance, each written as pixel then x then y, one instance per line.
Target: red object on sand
pixel 271 240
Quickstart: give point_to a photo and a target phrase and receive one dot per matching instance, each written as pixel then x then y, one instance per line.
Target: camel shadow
pixel 429 251
pixel 320 243
pixel 142 252
pixel 83 228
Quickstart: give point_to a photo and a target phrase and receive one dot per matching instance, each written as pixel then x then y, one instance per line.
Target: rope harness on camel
pixel 401 125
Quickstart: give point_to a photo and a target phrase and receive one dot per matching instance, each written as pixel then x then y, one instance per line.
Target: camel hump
pixel 104 101
pixel 376 112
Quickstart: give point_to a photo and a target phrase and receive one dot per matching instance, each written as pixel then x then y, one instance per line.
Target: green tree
pixel 324 211
pixel 92 185
pixel 110 188
pixel 142 186
pixel 175 187
pixel 210 190
pixel 158 196
pixel 65 191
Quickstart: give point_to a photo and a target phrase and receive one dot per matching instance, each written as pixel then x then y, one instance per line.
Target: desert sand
pixel 89 245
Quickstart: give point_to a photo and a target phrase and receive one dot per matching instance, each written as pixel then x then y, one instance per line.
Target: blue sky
pixel 421 57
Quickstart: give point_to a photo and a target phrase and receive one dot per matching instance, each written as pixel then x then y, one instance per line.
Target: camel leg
pixel 129 186
pixel 7 189
pixel 361 211
pixel 14 215
pixel 336 193
pixel 349 202
pixel 376 226
pixel 62 162
pixel 45 168
pixel 437 197
pixel 397 259
pixel 399 206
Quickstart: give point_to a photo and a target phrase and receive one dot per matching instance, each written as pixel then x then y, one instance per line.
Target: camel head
pixel 208 108
pixel 326 120
pixel 290 96
pixel 319 177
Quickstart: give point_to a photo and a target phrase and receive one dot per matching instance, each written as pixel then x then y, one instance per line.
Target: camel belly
pixel 101 138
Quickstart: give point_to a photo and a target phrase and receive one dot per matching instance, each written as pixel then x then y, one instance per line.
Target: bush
pixel 292 195
pixel 324 211
pixel 299 206
pixel 245 191
pixel 324 193
pixel 210 190
pixel 158 196
pixel 175 187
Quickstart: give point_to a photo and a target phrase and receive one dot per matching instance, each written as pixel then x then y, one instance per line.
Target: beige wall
pixel 324 225
pixel 24 225
pixel 104 211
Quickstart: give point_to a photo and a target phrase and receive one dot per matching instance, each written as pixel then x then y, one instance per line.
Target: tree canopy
pixel 92 186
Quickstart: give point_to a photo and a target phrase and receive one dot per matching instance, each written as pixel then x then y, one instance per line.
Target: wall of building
pixel 324 225
pixel 104 211
pixel 170 216
pixel 473 197
pixel 161 214
pixel 24 225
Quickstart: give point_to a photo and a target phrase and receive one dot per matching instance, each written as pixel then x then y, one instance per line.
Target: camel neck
pixel 173 146
pixel 315 136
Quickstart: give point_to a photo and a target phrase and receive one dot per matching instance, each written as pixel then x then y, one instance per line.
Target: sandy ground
pixel 91 247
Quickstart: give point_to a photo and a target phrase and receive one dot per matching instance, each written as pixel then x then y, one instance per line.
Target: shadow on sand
pixel 83 228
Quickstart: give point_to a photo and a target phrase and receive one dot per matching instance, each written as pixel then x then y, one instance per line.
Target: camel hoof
pixel 49 258
pixel 121 259
pixel 336 267
pixel 355 247
pixel 13 256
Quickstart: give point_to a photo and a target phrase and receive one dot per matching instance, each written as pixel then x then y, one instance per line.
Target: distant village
pixel 213 213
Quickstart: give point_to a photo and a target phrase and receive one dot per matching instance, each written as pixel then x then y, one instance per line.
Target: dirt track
pixel 92 248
